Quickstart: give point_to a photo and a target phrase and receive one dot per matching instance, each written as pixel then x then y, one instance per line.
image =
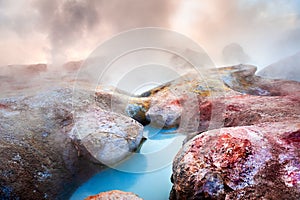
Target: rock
pixel 108 136
pixel 170 102
pixel 52 139
pixel 243 110
pixel 234 53
pixel 114 195
pixel 42 157
pixel 286 68
pixel 113 99
pixel 163 105
pixel 16 78
pixel 247 162
pixel 244 80
pixel 239 98
pixel 209 99
pixel 73 66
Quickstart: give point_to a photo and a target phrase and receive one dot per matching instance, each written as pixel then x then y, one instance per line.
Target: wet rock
pixel 112 99
pixel 247 162
pixel 114 195
pixel 42 157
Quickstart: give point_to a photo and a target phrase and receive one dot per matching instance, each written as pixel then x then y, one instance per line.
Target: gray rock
pixel 287 68
pixel 109 137
pixel 42 157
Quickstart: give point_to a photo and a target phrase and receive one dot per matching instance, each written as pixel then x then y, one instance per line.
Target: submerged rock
pixel 43 157
pixel 247 162
pixel 114 195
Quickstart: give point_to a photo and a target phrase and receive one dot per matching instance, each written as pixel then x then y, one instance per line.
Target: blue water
pixel 146 173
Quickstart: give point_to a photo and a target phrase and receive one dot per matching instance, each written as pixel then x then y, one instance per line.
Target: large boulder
pixel 43 157
pixel 199 101
pixel 109 137
pixel 230 96
pixel 247 162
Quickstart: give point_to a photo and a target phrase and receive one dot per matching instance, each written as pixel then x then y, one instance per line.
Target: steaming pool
pixel 146 173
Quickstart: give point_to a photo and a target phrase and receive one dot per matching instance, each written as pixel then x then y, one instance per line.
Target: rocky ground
pixel 231 96
pixel 260 161
pixel 52 138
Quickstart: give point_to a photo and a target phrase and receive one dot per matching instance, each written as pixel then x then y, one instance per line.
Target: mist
pixel 231 32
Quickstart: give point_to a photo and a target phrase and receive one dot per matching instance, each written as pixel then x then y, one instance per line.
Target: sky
pixel 233 31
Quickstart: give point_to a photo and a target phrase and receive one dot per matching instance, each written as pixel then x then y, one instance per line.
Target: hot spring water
pixel 147 173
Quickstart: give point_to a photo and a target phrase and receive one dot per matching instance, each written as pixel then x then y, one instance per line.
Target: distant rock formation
pixel 234 54
pixel 287 68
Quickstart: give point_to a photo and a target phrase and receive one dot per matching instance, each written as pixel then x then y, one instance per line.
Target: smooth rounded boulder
pixel 247 162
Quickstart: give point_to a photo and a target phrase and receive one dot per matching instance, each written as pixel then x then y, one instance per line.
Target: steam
pixel 266 31
pixel 66 23
pixel 57 31
pixel 54 31
pixel 235 54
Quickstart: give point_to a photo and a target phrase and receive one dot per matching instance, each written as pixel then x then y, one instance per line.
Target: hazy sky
pixel 55 31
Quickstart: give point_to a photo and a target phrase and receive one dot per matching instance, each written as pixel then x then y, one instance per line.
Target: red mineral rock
pixel 234 95
pixel 114 195
pixel 247 162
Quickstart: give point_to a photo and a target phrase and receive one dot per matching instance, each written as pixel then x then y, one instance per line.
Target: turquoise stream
pixel 146 173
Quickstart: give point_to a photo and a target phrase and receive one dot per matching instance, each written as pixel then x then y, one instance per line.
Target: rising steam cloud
pixel 54 31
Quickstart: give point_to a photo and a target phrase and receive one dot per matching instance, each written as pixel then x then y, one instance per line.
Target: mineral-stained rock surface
pixel 231 96
pixel 50 142
pixel 114 195
pixel 242 110
pixel 52 138
pixel 246 162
